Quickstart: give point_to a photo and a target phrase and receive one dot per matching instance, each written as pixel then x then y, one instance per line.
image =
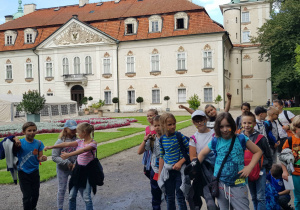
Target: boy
pixel 257 188
pixel 275 179
pixel 244 108
pixel 272 131
pixel 284 120
pixel 29 155
pixel 261 114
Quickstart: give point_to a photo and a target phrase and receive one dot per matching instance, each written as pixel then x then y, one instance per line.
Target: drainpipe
pixel 39 76
pixel 223 47
pixel 242 91
pixel 118 86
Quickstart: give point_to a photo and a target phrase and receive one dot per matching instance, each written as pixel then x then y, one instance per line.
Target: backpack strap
pixel 259 137
pixel 182 148
pixel 194 138
pixel 286 115
pixel 214 144
pixel 290 142
pixel 238 119
pixel 242 140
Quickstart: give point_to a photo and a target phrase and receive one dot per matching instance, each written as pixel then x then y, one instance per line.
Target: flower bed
pixel 56 126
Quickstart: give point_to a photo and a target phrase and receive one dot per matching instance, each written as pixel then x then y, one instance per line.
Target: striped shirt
pixel 86 157
pixel 170 148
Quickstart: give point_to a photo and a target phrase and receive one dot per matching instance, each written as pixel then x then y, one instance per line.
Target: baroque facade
pixel 128 49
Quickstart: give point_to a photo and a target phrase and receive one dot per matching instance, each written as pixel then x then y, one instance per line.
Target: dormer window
pixel 155 24
pixel 130 26
pixel 10 37
pixel 181 21
pixel 29 35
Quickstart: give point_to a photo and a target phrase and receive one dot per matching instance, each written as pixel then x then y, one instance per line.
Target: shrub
pixel 194 102
pixel 32 102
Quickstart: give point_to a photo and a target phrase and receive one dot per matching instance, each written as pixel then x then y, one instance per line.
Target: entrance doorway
pixel 77 93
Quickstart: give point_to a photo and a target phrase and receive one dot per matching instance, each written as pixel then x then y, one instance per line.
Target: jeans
pixel 30 187
pixel 283 201
pixel 257 190
pixel 85 194
pixel 62 177
pixel 155 191
pixel 172 185
pixel 296 180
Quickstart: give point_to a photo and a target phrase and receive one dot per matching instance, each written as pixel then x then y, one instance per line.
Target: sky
pixel 9 7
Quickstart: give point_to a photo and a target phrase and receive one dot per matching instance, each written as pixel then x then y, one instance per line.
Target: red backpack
pixel 254 175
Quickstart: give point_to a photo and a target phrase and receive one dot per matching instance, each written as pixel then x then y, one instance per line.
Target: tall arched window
pixel 65 66
pixel 76 65
pixel 88 65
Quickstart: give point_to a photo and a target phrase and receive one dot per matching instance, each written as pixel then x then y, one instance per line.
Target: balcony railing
pixel 75 78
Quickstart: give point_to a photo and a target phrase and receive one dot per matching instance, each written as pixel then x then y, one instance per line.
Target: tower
pixel 20 11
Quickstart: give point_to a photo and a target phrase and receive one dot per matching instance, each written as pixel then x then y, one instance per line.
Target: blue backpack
pixel 271 198
pixel 2 152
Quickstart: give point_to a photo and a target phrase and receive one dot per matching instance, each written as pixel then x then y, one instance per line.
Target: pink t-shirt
pixel 86 157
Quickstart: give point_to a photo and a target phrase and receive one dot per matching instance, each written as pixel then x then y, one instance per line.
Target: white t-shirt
pixel 210 124
pixel 284 121
pixel 202 140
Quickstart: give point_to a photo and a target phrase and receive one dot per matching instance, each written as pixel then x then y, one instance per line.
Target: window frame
pixel 26 71
pixel 29 36
pixel 9 39
pixel 109 95
pixel 130 101
pixel 205 59
pixel 46 69
pixel 66 66
pixel 184 16
pixel 207 101
pixel 181 59
pixel 178 97
pixel 245 17
pixel 75 65
pixel 134 24
pixel 248 40
pixel 105 65
pixel 133 64
pixel 6 65
pixel 156 61
pixel 88 64
pixel 157 101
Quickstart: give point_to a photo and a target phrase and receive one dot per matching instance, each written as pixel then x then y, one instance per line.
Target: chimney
pixel 117 1
pixel 75 16
pixel 29 8
pixel 8 18
pixel 83 2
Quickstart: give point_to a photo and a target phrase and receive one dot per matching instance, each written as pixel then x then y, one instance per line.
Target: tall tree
pixel 278 38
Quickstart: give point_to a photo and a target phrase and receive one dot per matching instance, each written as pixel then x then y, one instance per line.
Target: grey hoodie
pixel 63 164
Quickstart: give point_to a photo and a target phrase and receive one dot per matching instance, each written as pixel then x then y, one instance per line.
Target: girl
pixel 64 167
pixel 295 128
pixel 81 179
pixel 149 131
pixel 210 111
pixel 147 145
pixel 233 191
pixel 171 163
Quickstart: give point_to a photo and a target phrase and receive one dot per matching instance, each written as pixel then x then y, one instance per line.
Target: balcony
pixel 75 78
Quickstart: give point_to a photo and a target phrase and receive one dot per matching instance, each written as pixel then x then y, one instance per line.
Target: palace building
pixel 136 48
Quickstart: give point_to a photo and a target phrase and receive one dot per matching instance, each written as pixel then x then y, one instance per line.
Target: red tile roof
pixel 246 45
pixel 109 18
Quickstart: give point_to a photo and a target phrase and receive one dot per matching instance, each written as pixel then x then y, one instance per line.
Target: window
pixel 155 26
pixel 106 65
pixel 182 95
pixel 28 70
pixel 107 97
pixel 49 94
pixel 208 95
pixel 76 65
pixel 245 17
pixel 65 66
pixel 155 23
pixel 130 26
pixel 236 19
pixel 88 65
pixel 131 97
pixel 181 60
pixel 29 38
pixel 246 36
pixel 207 59
pixel 155 96
pixel 180 23
pixel 49 70
pixel 154 62
pixel 130 64
pixel 181 20
pixel 9 40
pixel 8 71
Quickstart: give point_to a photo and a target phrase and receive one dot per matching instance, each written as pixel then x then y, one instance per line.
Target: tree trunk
pixel 297 100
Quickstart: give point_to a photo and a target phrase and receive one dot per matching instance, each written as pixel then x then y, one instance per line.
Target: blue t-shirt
pixel 28 155
pixel 234 163
pixel 276 183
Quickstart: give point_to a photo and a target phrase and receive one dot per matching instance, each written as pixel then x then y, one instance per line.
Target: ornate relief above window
pixel 10 37
pixel 48 59
pixel 130 87
pixel 207 47
pixel 107 88
pixel 130 26
pixel 247 87
pixel 246 57
pixel 181 21
pixel 29 35
pixel 208 85
pixel 8 61
pixel 130 53
pixel 106 55
pixel 180 49
pixel 181 85
pixel 9 92
pixel 155 24
pixel 155 86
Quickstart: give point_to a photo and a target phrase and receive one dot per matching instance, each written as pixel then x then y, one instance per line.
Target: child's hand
pixel 17 142
pixel 64 155
pixel 285 175
pixel 177 166
pixel 70 166
pixel 229 96
pixel 147 137
pixel 277 144
pixel 245 172
pixel 47 148
pixel 181 107
pixel 43 158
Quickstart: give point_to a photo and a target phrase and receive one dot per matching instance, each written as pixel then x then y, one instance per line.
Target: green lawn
pixel 295 110
pixel 143 119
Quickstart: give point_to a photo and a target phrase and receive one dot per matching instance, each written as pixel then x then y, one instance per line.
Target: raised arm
pixel 186 108
pixel 227 106
pixel 77 152
pixel 62 145
pixel 145 145
pixel 205 151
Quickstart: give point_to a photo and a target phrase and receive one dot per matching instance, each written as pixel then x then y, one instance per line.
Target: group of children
pixel 187 166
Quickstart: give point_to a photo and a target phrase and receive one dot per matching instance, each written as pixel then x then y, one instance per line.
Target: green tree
pixel 194 102
pixel 297 65
pixel 278 38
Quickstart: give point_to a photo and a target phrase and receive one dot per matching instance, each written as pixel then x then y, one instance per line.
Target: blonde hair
pixel 271 110
pixel 154 111
pixel 295 124
pixel 63 134
pixel 163 121
pixel 86 128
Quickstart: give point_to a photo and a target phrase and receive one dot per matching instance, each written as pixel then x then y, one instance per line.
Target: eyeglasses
pixel 199 121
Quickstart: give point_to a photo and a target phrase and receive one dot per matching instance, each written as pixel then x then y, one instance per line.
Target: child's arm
pixel 77 152
pixel 186 108
pixel 205 151
pixel 141 148
pixel 161 165
pixel 177 166
pixel 62 145
pixel 42 157
pixel 257 153
pixel 284 192
pixel 285 173
pixel 227 106
pixel 193 152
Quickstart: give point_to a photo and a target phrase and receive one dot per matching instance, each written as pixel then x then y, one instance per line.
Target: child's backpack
pixel 254 175
pixel 271 198
pixel 271 139
pixel 2 152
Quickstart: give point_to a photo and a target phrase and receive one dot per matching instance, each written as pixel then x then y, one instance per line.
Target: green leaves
pixel 32 102
pixel 194 102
